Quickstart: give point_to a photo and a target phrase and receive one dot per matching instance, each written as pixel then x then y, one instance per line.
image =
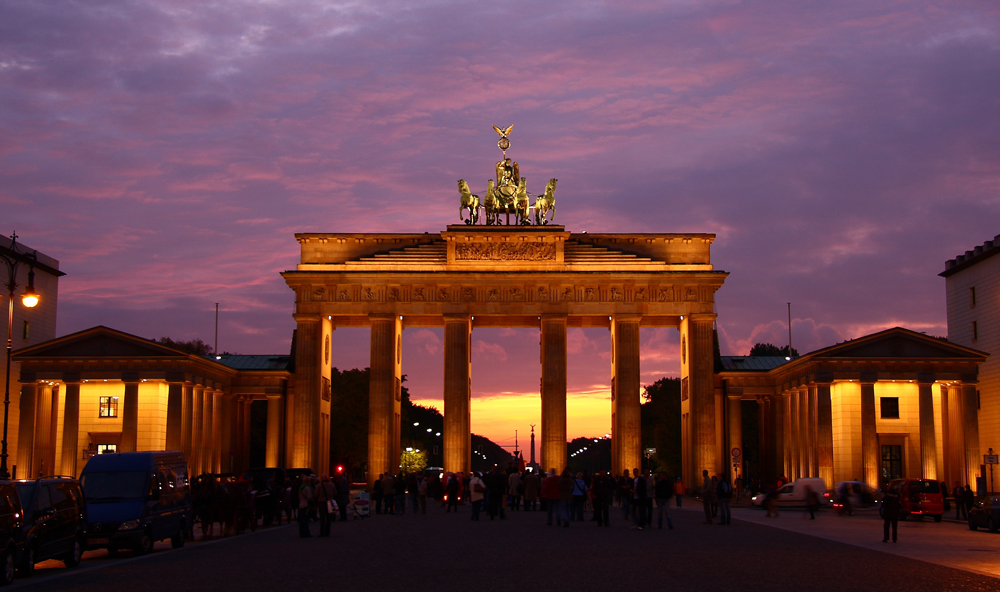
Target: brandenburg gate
pixel 503 275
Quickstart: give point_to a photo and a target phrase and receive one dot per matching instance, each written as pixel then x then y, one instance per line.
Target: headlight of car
pixel 129 525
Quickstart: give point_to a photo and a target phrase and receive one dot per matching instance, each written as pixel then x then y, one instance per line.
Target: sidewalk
pixel 949 543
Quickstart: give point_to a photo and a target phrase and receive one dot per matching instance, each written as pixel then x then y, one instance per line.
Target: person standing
pixel 399 488
pixel 496 485
pixel 325 493
pixel 377 493
pixel 343 495
pixel 550 494
pixel 388 494
pixel 531 484
pixel 640 494
pixel 968 500
pixel 650 489
pixel 476 490
pixel 738 486
pixel 514 490
pixel 725 494
pixel 451 492
pixel 625 486
pixel 662 492
pixel 579 497
pixel 890 515
pixel 600 490
pixel 305 501
pixel 422 495
pixel 706 496
pixel 678 491
pixel 566 483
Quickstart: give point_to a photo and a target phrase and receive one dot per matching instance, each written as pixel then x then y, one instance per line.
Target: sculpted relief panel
pixel 505 252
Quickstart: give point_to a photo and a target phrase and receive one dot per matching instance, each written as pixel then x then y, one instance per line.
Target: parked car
pixel 11 523
pixel 918 497
pixel 985 513
pixel 796 493
pixel 52 522
pixel 135 499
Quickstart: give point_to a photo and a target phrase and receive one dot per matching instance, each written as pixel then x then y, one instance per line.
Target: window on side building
pixel 890 407
pixel 972 297
pixel 975 331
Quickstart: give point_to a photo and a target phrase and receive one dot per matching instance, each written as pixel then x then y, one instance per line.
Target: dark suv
pixel 52 524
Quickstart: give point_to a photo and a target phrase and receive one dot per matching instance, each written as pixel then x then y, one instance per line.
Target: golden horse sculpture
pixel 470 202
pixel 546 202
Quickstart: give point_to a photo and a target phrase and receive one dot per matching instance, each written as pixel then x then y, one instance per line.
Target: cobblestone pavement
pixel 444 552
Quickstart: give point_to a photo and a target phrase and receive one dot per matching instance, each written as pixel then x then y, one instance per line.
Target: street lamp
pixel 14 259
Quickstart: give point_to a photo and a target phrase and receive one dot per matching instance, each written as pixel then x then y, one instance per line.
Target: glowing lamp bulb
pixel 30 300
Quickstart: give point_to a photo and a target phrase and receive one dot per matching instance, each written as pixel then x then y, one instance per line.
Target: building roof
pixel 970 258
pixel 751 363
pixel 241 362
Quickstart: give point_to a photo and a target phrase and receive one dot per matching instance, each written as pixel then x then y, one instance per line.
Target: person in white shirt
pixel 476 490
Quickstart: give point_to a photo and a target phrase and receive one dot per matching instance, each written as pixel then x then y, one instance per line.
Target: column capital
pixel 702 316
pixel 626 318
pixel 130 377
pixel 456 318
pixel 71 378
pixel 868 377
pixel 306 318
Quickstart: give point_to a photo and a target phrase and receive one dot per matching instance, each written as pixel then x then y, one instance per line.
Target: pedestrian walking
pixel 724 494
pixel 678 491
pixel 514 488
pixel 531 487
pixel 476 490
pixel 451 492
pixel 550 494
pixel 496 485
pixel 305 502
pixel 662 492
pixel 422 494
pixel 890 515
pixel 706 496
pixel 579 497
pixel 325 495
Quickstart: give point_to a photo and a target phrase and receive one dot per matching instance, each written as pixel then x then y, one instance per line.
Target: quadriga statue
pixel 546 202
pixel 470 202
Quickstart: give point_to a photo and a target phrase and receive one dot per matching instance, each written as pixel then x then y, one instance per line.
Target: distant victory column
pixel 532 444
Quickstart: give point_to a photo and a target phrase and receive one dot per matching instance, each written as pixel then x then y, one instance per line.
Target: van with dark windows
pixel 41 519
pixel 135 499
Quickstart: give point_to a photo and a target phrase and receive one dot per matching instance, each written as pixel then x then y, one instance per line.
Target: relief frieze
pixel 505 252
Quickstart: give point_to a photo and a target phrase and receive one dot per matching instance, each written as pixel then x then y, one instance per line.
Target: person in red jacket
pixel 550 493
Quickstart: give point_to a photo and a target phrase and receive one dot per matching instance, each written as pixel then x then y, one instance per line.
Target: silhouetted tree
pixel 767 349
pixel 194 346
pixel 661 424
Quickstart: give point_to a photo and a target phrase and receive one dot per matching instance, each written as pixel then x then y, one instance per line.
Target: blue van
pixel 136 498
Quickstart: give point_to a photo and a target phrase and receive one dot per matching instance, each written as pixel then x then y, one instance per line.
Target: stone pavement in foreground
pixel 949 543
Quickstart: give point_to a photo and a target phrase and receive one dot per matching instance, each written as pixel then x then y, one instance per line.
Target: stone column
pixel 207 427
pixel 946 466
pixel 244 442
pixel 795 448
pixel 187 416
pixel 273 444
pixel 384 395
pixel 50 458
pixel 697 329
pixel 928 441
pixel 813 421
pixel 308 371
pixel 869 436
pixel 457 393
pixel 824 433
pixel 195 466
pixel 130 415
pixel 28 403
pixel 970 429
pixel 765 439
pixel 44 438
pixel 804 451
pixel 175 411
pixel 218 419
pixel 71 426
pixel 734 419
pixel 553 391
pixel 778 429
pixel 956 410
pixel 228 420
pixel 625 392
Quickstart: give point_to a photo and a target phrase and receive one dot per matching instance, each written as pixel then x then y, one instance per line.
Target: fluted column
pixel 778 409
pixel 457 394
pixel 795 448
pixel 869 435
pixel 824 433
pixel 228 421
pixel 196 464
pixel 207 426
pixel 553 358
pixel 734 420
pixel 305 434
pixel 813 418
pixel 625 393
pixel 765 439
pixel 130 415
pixel 218 420
pixel 384 395
pixel 970 430
pixel 175 410
pixel 928 441
pixel 273 444
pixel 187 415
pixel 71 426
pixel 697 333
pixel 947 474
pixel 803 421
pixel 27 405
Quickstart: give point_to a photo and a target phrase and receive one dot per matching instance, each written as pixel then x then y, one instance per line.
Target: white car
pixel 796 494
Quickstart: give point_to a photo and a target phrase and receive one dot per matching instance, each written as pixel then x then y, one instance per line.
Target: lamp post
pixel 14 259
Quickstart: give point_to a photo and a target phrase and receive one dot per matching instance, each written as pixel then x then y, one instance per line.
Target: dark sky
pixel 166 153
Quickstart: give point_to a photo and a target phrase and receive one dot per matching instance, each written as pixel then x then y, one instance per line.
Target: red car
pixel 918 497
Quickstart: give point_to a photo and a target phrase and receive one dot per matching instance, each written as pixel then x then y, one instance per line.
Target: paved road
pixel 444 552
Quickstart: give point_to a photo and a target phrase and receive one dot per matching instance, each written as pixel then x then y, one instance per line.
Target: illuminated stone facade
pixel 102 389
pixel 891 404
pixel 972 281
pixel 503 276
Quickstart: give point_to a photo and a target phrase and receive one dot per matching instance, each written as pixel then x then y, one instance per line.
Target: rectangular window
pixel 107 448
pixel 975 331
pixel 972 296
pixel 890 407
pixel 109 407
pixel 892 463
pixel 24 331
